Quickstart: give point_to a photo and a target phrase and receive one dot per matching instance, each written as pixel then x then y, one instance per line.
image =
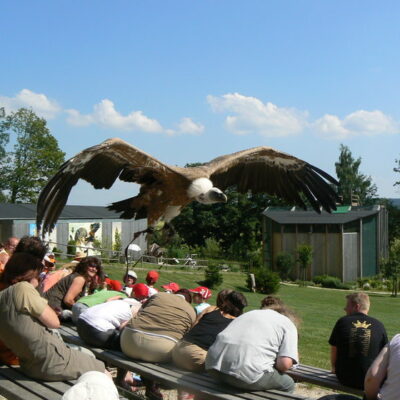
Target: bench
pixel 14 385
pixel 200 384
pixel 320 377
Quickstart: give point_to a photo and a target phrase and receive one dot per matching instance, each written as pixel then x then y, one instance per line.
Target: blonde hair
pixel 359 298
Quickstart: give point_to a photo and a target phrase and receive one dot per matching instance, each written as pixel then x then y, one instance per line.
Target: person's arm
pixel 333 359
pixel 283 364
pixel 114 298
pixel 76 287
pixel 376 374
pixel 205 311
pixel 49 318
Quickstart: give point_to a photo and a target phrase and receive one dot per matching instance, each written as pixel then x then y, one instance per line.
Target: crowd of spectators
pixel 250 350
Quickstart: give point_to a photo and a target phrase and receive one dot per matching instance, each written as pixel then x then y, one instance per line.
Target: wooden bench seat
pixel 320 377
pixel 15 385
pixel 169 376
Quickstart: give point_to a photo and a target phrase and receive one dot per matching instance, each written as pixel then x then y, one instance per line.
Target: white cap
pixel 92 385
pixel 132 274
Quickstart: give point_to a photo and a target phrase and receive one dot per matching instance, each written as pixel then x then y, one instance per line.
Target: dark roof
pixel 295 216
pixel 28 211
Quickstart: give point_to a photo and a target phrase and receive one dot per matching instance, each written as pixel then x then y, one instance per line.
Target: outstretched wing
pixel 99 165
pixel 265 170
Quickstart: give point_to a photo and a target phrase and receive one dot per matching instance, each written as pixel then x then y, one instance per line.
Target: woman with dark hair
pixel 26 323
pixel 88 275
pixel 190 352
pixel 32 245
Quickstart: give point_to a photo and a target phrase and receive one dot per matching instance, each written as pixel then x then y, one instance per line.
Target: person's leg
pixel 270 380
pixel 339 397
pixel 77 309
pixel 189 356
pixel 93 336
pixel 146 347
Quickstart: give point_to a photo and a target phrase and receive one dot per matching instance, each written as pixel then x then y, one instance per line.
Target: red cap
pixel 113 284
pixel 141 290
pixel 203 291
pixel 172 286
pixel 152 275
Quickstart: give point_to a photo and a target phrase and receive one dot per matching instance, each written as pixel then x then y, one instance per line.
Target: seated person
pixel 171 287
pixel 112 284
pixel 26 323
pixel 382 380
pixel 101 296
pixel 200 295
pixel 129 279
pixel 154 331
pixel 356 340
pixel 255 350
pixel 151 279
pixel 87 277
pixel 99 325
pixel 190 352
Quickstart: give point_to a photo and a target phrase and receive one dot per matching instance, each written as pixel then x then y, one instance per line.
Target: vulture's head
pixel 203 191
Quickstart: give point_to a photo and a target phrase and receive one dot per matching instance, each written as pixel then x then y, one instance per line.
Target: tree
pixel 397 169
pixel 34 159
pixel 391 266
pixel 352 183
pixel 304 258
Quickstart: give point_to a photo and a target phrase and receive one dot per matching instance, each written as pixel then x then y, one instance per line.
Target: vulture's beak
pixel 218 197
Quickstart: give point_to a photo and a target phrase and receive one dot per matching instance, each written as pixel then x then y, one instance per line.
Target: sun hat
pixel 79 254
pixel 172 286
pixel 92 385
pixel 141 290
pixel 49 257
pixel 204 292
pixel 153 275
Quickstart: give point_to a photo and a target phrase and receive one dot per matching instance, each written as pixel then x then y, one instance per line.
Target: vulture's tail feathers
pixel 130 208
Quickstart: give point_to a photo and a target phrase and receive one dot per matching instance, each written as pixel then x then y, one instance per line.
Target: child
pixel 201 294
pixel 151 278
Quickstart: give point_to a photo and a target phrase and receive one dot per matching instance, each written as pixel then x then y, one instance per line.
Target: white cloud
pixel 252 115
pixel 361 122
pixel 40 103
pixel 186 126
pixel 105 114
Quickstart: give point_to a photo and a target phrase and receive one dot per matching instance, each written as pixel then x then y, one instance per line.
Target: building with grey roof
pixel 87 225
pixel 347 244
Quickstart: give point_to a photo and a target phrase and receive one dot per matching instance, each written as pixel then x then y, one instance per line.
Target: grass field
pixel 318 308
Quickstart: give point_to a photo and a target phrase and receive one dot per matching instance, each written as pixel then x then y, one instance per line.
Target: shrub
pixel 213 277
pixel 267 281
pixel 284 264
pixel 71 248
pixel 331 282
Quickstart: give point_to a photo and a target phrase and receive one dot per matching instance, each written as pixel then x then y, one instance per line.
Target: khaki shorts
pixel 146 347
pixel 189 356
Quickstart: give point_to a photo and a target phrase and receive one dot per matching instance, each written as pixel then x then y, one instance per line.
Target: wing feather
pixel 263 169
pixel 99 165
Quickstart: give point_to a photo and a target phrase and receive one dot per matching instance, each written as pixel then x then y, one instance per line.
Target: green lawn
pixel 318 308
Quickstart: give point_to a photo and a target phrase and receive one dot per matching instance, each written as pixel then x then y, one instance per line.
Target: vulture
pixel 165 189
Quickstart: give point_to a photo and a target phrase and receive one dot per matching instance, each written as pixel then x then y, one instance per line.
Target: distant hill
pixel 395 202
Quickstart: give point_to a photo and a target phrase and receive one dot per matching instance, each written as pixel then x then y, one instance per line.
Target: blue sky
pixel 187 81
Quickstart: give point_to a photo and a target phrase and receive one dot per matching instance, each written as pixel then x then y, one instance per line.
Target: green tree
pixel 391 266
pixel 34 159
pixel 352 183
pixel 304 258
pixel 397 169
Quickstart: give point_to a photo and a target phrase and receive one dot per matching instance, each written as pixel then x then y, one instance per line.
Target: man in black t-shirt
pixel 355 341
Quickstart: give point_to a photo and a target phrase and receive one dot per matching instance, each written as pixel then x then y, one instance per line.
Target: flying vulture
pixel 166 189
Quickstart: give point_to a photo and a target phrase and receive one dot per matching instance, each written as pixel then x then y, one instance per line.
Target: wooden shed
pixel 75 223
pixel 347 244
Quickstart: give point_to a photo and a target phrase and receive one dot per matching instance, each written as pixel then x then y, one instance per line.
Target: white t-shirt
pixel 249 346
pixel 110 315
pixel 391 388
